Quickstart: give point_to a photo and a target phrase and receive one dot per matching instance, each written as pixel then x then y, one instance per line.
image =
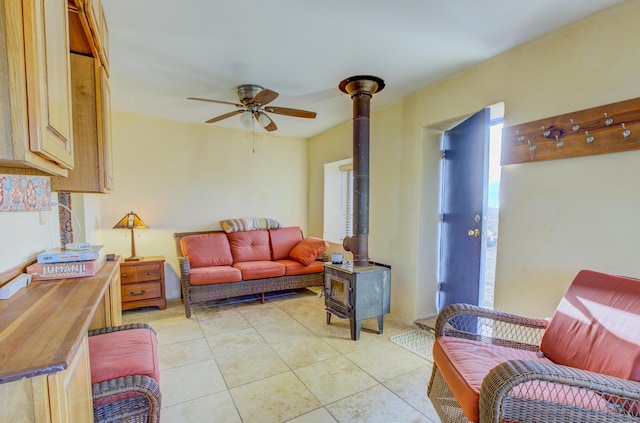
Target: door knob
pixel 474 232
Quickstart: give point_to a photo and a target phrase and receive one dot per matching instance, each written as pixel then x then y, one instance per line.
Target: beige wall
pixel 556 217
pixel 186 177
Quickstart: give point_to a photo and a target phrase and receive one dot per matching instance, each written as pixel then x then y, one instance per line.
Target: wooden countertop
pixel 42 326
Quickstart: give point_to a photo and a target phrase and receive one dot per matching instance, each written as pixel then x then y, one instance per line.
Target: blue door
pixel 464 174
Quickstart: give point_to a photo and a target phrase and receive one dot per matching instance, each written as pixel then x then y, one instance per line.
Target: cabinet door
pixel 99 29
pixel 70 389
pixel 48 79
pixel 105 129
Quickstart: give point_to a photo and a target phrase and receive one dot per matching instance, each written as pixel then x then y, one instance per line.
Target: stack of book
pixel 60 263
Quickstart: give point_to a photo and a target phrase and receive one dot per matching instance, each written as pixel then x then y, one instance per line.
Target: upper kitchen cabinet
pixel 89 32
pixel 93 171
pixel 35 86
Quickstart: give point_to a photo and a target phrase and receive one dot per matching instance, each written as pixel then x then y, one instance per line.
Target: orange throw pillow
pixel 307 250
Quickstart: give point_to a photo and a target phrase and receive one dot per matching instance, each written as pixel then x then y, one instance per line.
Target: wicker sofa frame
pixel 507 392
pixel 129 399
pixel 193 294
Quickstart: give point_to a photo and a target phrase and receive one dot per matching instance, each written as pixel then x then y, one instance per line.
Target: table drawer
pixel 139 273
pixel 141 291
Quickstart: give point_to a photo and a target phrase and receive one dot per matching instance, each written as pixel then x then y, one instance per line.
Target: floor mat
pixel 419 342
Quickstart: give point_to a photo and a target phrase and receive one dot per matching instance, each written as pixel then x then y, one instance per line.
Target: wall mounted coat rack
pixel 611 128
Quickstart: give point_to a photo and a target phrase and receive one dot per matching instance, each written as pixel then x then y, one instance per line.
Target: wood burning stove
pixel 357 293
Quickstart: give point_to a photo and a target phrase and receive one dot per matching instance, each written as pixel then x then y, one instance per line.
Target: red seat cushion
pixel 293 267
pixel 283 240
pixel 595 326
pixel 204 250
pixel 124 353
pixel 249 246
pixel 259 269
pixel 215 274
pixel 464 364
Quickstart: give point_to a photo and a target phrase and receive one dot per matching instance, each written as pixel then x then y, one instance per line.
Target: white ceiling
pixel 163 51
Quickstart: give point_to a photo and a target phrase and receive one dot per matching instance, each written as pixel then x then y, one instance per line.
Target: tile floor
pixel 280 362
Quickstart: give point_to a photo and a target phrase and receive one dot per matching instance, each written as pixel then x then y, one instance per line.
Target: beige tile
pixel 185 331
pixel 321 415
pixel 180 384
pixel 275 399
pixel 264 314
pixel 183 353
pixel 375 405
pixel 140 315
pixel 250 365
pixel 285 330
pixel 412 388
pixel 340 339
pixel 204 312
pixel 169 316
pixel 304 351
pixel 386 361
pixel 333 379
pixel 234 342
pixel 224 323
pixel 211 408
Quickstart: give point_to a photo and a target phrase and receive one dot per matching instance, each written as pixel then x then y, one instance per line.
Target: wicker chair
pixel 534 388
pixel 131 398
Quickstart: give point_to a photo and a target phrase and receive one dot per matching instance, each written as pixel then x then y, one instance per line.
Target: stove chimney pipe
pixel 360 88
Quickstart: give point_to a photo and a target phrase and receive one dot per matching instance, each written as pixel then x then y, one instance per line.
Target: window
pixel 338 200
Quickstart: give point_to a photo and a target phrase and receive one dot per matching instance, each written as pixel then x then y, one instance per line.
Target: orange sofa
pixel 217 265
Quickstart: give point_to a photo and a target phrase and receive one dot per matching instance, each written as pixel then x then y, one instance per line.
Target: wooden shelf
pixel 536 141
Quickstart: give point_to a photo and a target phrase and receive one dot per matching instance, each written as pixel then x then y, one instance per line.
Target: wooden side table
pixel 142 283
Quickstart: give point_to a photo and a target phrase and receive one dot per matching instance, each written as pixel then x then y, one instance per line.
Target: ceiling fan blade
pixel 215 101
pixel 265 121
pixel 226 115
pixel 264 97
pixel 291 112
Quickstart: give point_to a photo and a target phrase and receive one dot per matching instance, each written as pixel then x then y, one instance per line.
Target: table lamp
pixel 131 221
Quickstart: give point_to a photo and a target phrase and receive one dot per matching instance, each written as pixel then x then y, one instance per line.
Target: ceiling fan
pixel 253 101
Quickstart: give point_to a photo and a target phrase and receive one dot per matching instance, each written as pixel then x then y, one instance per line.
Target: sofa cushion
pixel 124 353
pixel 595 326
pixel 283 240
pixel 249 246
pixel 293 267
pixel 204 250
pixel 259 269
pixel 308 250
pixel 464 363
pixel 214 274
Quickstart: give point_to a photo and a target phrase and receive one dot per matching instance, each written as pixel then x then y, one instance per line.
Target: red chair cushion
pixel 213 275
pixel 259 269
pixel 283 240
pixel 464 364
pixel 205 250
pixel 293 267
pixel 249 246
pixel 595 326
pixel 123 353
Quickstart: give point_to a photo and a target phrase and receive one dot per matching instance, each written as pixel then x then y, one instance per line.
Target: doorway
pixel 469 209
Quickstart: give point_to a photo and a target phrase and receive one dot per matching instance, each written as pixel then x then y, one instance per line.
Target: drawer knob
pixel 133 293
pixel 148 273
pixel 124 275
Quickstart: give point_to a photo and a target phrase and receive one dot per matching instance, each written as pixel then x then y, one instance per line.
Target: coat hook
pixel 520 136
pixel 532 149
pixel 545 133
pixel 575 126
pixel 608 120
pixel 625 131
pixel 590 138
pixel 559 143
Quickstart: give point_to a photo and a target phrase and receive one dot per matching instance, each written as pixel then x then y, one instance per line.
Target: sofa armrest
pixel 490 326
pixel 185 266
pixel 528 391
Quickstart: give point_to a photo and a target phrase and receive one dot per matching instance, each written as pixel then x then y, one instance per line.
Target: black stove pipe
pixel 360 88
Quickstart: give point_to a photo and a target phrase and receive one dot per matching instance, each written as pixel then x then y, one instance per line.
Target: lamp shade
pixel 130 221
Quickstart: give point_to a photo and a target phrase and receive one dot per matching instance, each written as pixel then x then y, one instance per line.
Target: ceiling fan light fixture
pixel 263 120
pixel 246 118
